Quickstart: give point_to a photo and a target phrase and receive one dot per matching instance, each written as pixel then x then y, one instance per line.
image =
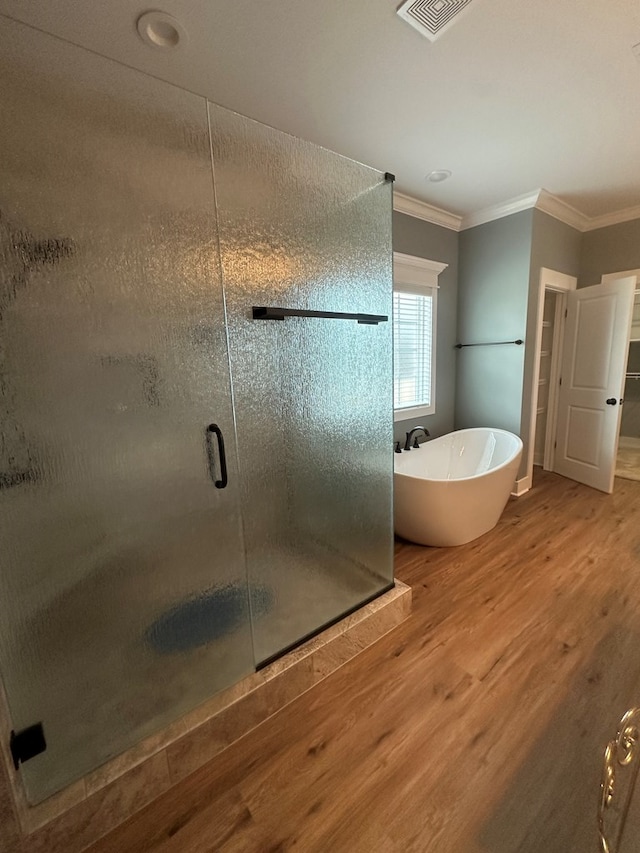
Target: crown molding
pixel 498 211
pixel 539 199
pixel 421 210
pixel 613 218
pixel 559 209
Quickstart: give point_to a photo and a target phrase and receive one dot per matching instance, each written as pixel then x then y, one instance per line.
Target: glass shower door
pixel 123 592
pixel 304 229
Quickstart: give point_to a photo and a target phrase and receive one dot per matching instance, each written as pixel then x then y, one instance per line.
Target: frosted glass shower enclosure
pixel 188 487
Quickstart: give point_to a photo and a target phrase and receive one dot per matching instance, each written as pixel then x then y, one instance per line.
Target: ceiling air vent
pixel 432 17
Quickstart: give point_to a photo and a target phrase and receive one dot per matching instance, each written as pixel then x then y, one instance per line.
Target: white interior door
pixel 594 362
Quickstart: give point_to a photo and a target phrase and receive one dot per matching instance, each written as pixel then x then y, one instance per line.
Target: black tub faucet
pixel 411 434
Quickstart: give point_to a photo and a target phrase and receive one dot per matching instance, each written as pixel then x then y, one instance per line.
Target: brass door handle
pixel 620 752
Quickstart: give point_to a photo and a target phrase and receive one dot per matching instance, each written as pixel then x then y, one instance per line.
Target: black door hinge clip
pixel 27 744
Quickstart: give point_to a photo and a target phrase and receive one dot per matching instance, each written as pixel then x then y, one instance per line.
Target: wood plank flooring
pixel 477 726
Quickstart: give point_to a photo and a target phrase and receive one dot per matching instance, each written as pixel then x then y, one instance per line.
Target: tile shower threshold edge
pixel 201 734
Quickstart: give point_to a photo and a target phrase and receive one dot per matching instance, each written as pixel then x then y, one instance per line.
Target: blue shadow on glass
pixel 198 621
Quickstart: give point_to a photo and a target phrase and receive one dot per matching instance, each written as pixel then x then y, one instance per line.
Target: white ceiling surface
pixel 516 96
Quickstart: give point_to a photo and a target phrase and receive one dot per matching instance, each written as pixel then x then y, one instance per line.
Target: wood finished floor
pixel 477 726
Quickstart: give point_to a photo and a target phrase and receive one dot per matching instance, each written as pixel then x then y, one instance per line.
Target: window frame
pixel 415 275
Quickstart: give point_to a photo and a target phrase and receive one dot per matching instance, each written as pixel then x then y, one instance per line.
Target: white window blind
pixel 413 348
pixel 415 318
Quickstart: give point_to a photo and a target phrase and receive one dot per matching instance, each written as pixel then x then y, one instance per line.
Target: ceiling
pixel 515 96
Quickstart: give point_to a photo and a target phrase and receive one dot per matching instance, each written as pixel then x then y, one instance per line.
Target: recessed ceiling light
pixel 157 29
pixel 438 175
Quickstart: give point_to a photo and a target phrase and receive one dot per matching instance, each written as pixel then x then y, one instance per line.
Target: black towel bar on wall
pixel 519 342
pixel 280 313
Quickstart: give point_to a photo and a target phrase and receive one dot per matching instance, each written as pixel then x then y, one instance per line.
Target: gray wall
pixel 611 249
pixel 416 237
pixel 489 293
pixel 555 246
pixel 494 289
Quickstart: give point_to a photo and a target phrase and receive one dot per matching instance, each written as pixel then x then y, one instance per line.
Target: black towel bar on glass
pixel 491 344
pixel 281 313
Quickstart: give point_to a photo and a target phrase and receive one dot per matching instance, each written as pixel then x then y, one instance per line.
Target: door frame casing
pixel 559 324
pixel 614 276
pixel 561 284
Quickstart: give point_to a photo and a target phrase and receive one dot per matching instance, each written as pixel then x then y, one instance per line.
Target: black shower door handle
pixel 222 482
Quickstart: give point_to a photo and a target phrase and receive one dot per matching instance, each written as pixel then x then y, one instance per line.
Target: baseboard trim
pixel 521 486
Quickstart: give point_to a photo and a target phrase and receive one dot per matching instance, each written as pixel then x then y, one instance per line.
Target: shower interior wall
pixel 132 588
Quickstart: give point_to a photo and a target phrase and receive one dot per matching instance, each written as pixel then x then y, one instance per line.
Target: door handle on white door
pixel 611 401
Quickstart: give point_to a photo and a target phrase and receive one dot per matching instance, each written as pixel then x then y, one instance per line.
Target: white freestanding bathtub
pixel 454 488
